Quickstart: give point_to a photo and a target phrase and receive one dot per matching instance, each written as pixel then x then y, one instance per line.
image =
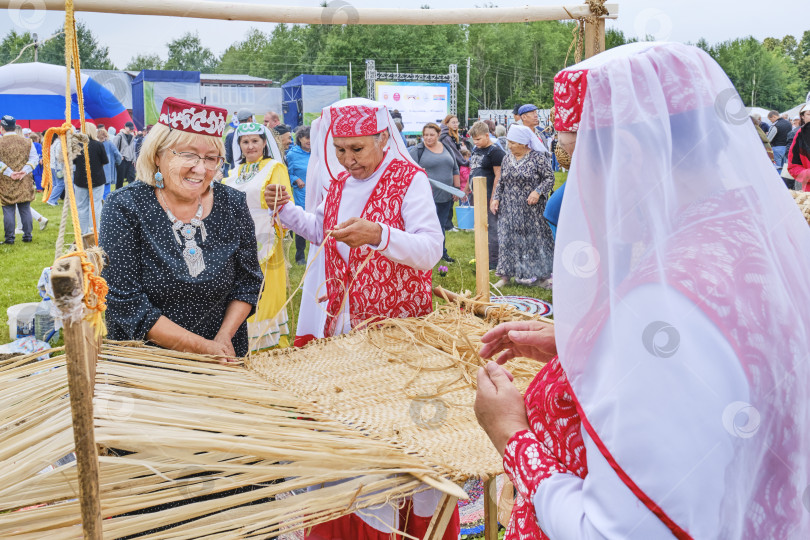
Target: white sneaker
pixel 18 231
pixel 43 223
pixel 544 284
pixel 503 282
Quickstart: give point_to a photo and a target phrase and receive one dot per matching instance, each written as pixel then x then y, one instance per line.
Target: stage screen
pixel 419 102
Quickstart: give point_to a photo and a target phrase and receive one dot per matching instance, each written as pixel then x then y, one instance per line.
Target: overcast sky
pixel 675 20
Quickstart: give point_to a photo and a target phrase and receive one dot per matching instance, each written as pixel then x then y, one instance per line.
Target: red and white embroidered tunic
pixel 395 282
pixel 374 286
pixel 660 471
pixel 568 489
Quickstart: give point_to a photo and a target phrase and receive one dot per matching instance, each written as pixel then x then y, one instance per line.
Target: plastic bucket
pixel 21 319
pixel 465 217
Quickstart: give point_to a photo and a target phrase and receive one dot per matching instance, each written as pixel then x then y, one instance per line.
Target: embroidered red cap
pixel 358 121
pixel 681 88
pixel 193 117
pixel 569 93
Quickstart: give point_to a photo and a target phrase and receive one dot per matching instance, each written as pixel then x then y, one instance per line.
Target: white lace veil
pixel 670 189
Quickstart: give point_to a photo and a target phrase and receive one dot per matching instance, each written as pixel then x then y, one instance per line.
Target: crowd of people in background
pixel 518 164
pixel 789 154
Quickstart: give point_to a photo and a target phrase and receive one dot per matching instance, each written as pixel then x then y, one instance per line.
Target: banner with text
pixel 419 102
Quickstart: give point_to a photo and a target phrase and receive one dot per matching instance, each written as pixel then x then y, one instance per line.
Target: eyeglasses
pixel 191 159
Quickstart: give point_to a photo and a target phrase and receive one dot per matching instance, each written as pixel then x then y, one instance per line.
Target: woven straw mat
pixel 392 387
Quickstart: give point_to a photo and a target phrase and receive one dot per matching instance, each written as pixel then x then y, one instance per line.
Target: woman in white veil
pixel 323 168
pixel 399 282
pixel 678 404
pixel 258 164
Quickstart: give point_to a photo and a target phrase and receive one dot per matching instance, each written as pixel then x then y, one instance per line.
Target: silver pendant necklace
pixel 248 172
pixel 192 253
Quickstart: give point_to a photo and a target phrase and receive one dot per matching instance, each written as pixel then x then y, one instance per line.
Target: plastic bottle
pixel 43 322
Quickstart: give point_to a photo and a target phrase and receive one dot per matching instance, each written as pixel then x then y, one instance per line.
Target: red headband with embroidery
pixel 679 87
pixel 193 117
pixel 357 121
pixel 569 94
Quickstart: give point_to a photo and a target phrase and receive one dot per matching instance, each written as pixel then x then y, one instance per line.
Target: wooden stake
pixel 491 509
pixel 342 13
pixel 89 240
pixel 81 349
pixel 440 520
pixel 481 238
pixel 594 33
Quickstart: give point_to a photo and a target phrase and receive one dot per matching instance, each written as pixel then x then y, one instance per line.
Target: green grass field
pixel 22 263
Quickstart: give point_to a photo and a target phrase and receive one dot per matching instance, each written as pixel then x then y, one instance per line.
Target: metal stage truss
pixel 372 76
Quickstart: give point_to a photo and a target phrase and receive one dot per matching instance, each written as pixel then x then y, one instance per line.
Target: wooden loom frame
pixel 80 345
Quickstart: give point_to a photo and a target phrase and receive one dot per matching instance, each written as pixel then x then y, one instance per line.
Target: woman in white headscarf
pixel 382 204
pixel 374 214
pixel 676 398
pixel 257 155
pixel 526 245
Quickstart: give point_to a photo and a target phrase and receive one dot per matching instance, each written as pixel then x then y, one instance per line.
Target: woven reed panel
pixel 392 385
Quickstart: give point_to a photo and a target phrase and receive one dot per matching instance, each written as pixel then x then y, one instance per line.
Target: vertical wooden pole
pixel 481 238
pixel 491 509
pixel 89 240
pixel 440 520
pixel 594 35
pixel 81 349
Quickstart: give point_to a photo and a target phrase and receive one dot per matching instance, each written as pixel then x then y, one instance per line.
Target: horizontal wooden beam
pixel 338 13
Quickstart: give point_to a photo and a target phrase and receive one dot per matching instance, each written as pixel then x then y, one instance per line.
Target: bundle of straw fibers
pixel 803 201
pixel 190 449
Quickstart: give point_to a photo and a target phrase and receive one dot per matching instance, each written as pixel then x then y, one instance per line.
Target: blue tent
pixel 151 87
pixel 304 96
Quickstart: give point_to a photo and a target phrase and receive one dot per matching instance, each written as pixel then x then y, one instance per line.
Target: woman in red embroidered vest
pixel 678 404
pixel 385 239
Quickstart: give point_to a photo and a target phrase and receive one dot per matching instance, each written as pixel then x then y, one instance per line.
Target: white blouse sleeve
pixel 667 429
pixel 306 224
pixel 420 244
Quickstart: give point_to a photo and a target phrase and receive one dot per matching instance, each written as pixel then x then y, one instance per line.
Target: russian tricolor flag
pixel 34 94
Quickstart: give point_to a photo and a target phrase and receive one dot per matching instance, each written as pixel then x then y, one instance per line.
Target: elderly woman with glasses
pixel 183 270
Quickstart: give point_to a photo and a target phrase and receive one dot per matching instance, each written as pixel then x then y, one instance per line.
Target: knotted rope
pixel 73 144
pixel 598 10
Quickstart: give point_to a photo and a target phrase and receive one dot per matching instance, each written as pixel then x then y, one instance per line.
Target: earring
pixel 159 180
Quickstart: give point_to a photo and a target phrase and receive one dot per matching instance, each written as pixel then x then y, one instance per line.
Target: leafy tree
pixel 11 46
pixel 187 53
pixel 763 77
pixel 245 56
pixel 703 44
pixel 771 44
pixel 804 44
pixel 411 49
pixel 790 47
pixel 92 54
pixel 144 61
pixel 516 63
pixel 803 70
pixel 616 38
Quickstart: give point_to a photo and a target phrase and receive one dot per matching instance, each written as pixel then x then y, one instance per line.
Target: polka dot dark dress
pixel 183 271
